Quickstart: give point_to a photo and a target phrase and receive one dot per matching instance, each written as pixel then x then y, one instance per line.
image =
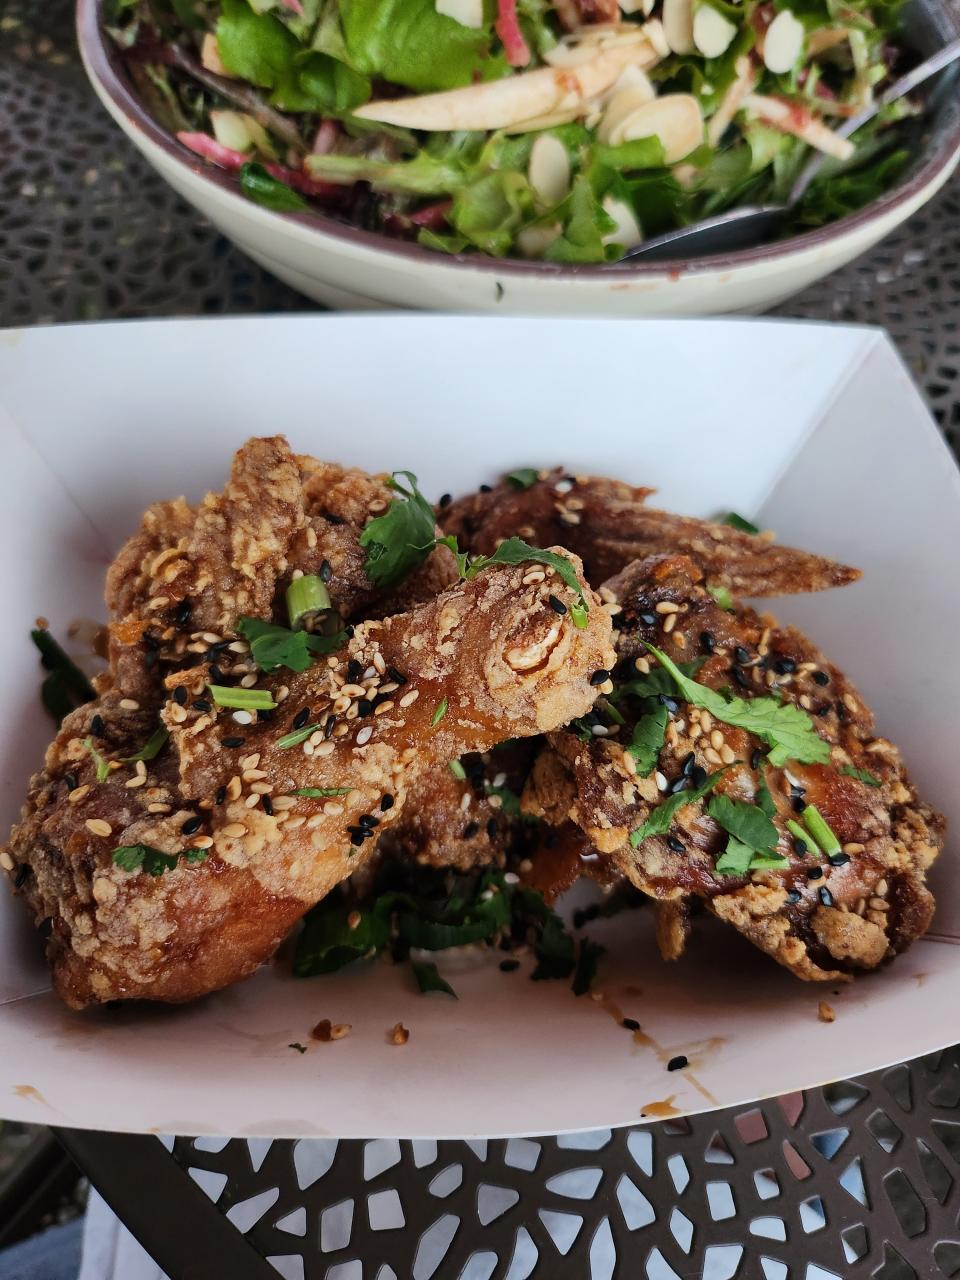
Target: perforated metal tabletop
pixel 854 1179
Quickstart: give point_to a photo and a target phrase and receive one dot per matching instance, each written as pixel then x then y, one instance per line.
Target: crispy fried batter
pixel 819 920
pixel 607 524
pixel 491 650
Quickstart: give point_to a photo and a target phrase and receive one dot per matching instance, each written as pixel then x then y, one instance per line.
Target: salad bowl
pixel 347 266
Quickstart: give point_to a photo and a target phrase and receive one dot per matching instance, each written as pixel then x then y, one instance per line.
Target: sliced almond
pixel 582 45
pixel 533 242
pixel 210 55
pixel 549 170
pixel 621 106
pixel 498 104
pixel 628 231
pixel 676 119
pixel 713 34
pixel 678 25
pixel 783 43
pixel 469 13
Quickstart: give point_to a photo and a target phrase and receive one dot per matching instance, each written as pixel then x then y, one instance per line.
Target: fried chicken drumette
pixel 608 524
pixel 823 917
pixel 164 868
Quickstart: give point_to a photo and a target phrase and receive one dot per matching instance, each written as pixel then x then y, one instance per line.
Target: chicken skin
pixel 823 917
pixel 607 524
pixel 221 853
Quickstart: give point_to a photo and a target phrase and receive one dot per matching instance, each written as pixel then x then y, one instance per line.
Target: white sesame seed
pixel 410 698
pixel 332 809
pixel 660 781
pixel 97 827
pixel 157 807
pixel 242 717
pixel 669 622
pixel 78 793
pixel 234 830
pixel 465 801
pixel 252 801
pixel 6 861
pixel 325 749
pixel 129 704
pixel 284 802
pixel 364 735
pixel 248 681
pixel 599 730
pixel 500 779
pixel 201 842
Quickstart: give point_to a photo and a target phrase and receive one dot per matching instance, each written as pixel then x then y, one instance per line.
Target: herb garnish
pixel 272 646
pixel 300 1048
pixel 816 824
pixel 722 595
pixel 66 687
pixel 428 978
pixel 102 765
pixel 151 748
pixel 297 736
pixel 320 793
pixel 661 818
pixel 738 522
pixel 400 540
pixel 648 737
pixel 306 596
pixel 764 800
pixel 862 775
pixel 242 699
pixel 798 833
pixel 143 857
pixel 784 727
pixel 523 477
pixel 753 837
pixel 457 769
pixel 440 712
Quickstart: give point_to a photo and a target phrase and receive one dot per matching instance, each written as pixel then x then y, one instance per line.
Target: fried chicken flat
pixel 225 844
pixel 607 524
pixel 823 917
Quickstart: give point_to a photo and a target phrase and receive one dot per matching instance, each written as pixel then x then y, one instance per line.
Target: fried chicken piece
pixel 607 524
pixel 484 661
pixel 822 919
pixel 193 571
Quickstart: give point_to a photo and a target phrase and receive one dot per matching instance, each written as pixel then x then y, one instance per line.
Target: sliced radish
pixel 628 231
pixel 469 13
pixel 507 28
pixel 549 170
pixel 783 43
pixel 678 25
pixel 676 119
pixel 203 145
pixel 712 32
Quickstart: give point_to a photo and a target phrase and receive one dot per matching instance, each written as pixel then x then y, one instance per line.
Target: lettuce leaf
pixel 409 43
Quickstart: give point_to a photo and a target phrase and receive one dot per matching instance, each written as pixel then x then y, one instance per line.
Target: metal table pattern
pixel 854 1179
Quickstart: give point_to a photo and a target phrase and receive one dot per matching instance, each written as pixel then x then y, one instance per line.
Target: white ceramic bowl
pixel 344 266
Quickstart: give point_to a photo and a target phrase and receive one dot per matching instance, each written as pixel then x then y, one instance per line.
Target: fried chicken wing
pixel 279 814
pixel 823 918
pixel 607 524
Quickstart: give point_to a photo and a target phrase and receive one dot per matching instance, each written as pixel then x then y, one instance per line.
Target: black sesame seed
pixel 756 755
pixel 797 790
pixel 180 695
pixel 678 1063
pixel 445 500
pixel 707 642
pixel 191 826
pixel 329 727
pixel 784 666
pixel 96 727
pixel 739 678
pixel 742 655
pixel 823 711
pixel 509 966
pixel 470 830
pixel 793 896
pixel 234 742
pixel 631 1024
pixel 798 803
pixel 364 707
pixel 486 488
pixel 815 873
pixel 491 828
pixel 670 703
pixel 820 677
pixel 677 846
pixel 600 676
pixel 825 896
pixel 220 796
pixel 648 619
pixel 301 718
pixel 200 704
pixel 349 630
pixel 357 836
pixel 556 605
pixel 698 775
pixel 386 802
pixel 679 784
pixel 216 675
pixel 182 615
pixel 326 571
pixel 70 781
pixel 395 676
pixel 333 519
pixel 841 711
pixel 838 859
pixel 368 820
pixel 799 847
pixel 354 671
pixel 23 873
pixel 267 806
pixel 687 764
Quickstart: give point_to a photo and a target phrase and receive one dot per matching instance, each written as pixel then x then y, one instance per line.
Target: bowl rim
pixel 104 63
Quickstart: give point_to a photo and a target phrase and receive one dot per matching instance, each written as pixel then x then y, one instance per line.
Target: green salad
pixel 564 130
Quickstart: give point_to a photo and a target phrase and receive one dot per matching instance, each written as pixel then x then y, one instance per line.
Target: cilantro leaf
pixel 588 955
pixel 862 775
pixel 151 748
pixel 143 857
pixel 722 595
pixel 746 822
pixel 661 818
pixel 66 687
pixel 738 522
pixel 273 646
pixel 401 539
pixel 428 978
pixel 329 940
pixel 764 799
pixel 784 727
pixel 523 477
pixel 648 735
pixel 516 551
pixel 656 682
pixel 102 765
pixel 735 859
